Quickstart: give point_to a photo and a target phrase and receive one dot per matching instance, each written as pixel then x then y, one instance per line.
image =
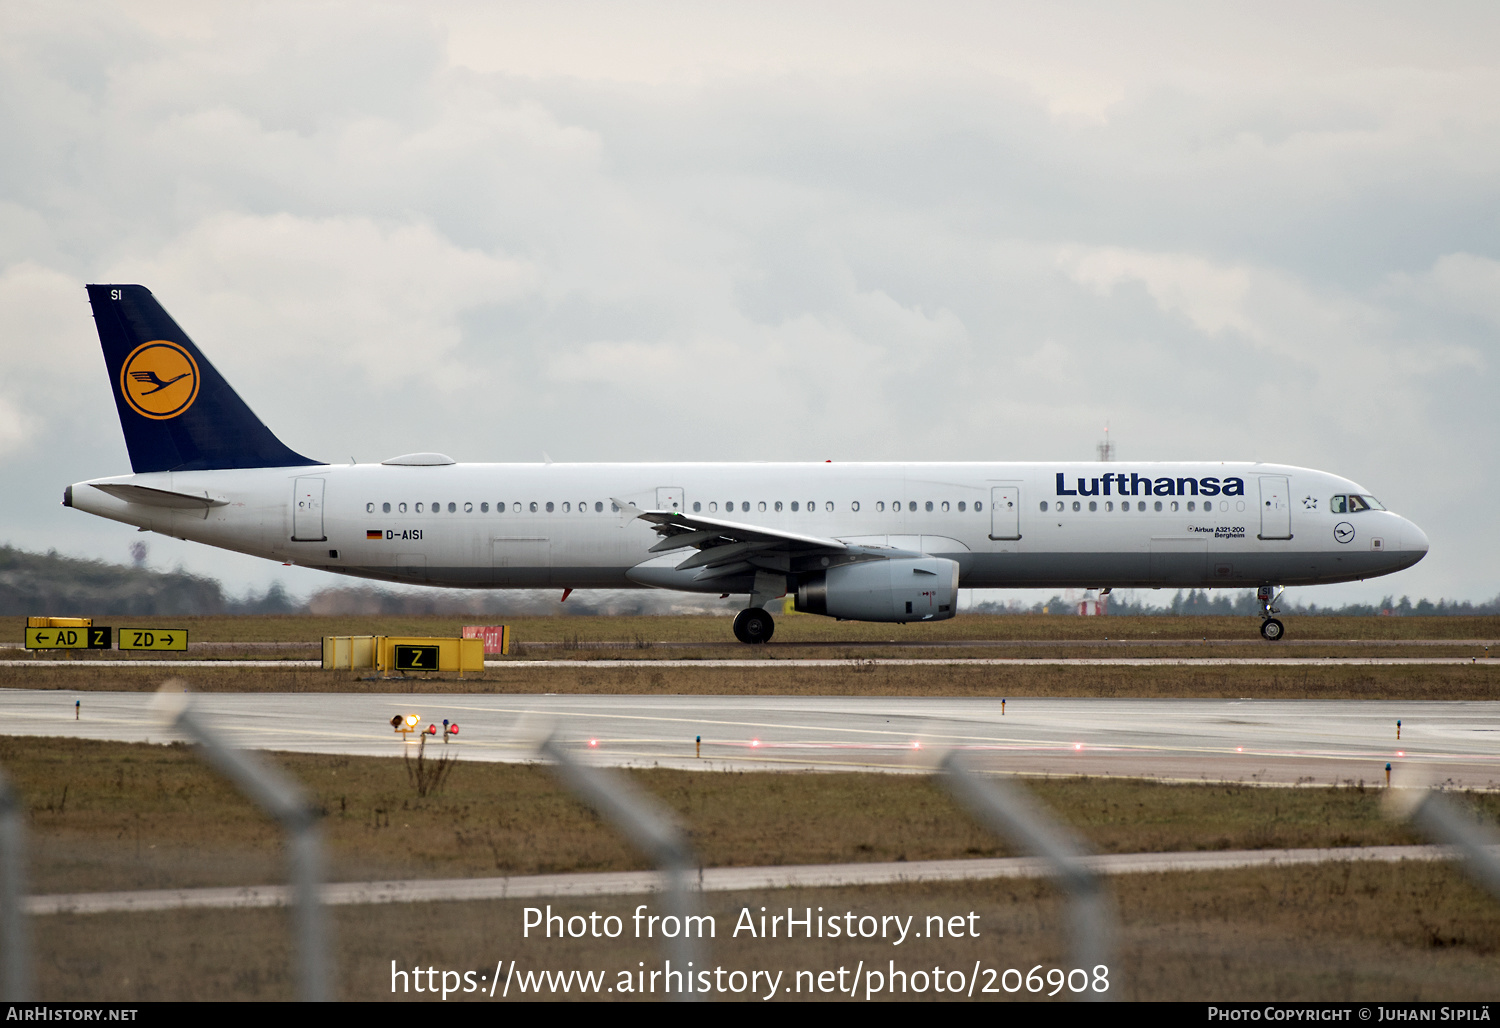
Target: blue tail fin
pixel 177 412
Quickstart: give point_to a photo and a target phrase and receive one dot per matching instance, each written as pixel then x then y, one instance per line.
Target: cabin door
pixel 307 511
pixel 1005 512
pixel 1275 507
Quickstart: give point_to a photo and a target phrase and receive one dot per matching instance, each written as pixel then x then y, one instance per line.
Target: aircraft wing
pixel 726 548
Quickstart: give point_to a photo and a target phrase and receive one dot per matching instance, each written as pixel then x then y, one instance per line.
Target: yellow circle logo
pixel 159 380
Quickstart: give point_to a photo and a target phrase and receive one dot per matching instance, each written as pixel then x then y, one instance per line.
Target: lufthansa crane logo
pixel 159 380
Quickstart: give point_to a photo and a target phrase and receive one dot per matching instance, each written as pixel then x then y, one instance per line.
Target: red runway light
pixel 593 742
pixel 1078 746
pixel 754 742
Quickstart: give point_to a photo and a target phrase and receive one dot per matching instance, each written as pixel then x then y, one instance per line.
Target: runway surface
pixel 1278 742
pixel 815 662
pixel 718 879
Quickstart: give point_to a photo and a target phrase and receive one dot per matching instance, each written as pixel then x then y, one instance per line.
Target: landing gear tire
pixel 753 625
pixel 1271 629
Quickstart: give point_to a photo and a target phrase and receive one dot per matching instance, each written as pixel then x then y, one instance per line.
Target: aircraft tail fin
pixel 176 410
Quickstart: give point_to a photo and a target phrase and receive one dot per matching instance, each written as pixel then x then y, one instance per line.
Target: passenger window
pixel 761 506
pixel 912 506
pixel 1076 506
pixel 978 506
pixel 794 506
pixel 549 506
pixel 419 508
pixel 1093 505
pixel 812 505
pixel 962 506
pixel 828 506
pixel 745 506
pixel 697 507
pixel 1044 506
pixel 402 508
pixel 1174 505
pixel 516 507
pixel 929 506
pixel 778 506
pixel 880 505
pixel 484 508
pixel 533 506
pixel 1192 506
pixel 713 507
pixel 614 507
pixel 854 506
pixel 567 507
pixel 1158 505
pixel 945 505
pixel 1336 505
pixel 896 505
pixel 1109 505
pixel 369 508
pixel 468 508
pixel 599 506
pixel 385 508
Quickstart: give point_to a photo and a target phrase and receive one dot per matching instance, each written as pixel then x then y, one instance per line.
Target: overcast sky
pixel 770 231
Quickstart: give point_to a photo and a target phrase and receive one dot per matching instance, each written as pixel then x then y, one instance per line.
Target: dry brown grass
pixel 1479 681
pixel 119 816
pixel 800 629
pixel 1331 932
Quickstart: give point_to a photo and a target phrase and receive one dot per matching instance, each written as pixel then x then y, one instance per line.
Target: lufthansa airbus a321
pixel 859 542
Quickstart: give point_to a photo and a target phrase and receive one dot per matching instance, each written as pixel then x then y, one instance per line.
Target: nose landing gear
pixel 1271 629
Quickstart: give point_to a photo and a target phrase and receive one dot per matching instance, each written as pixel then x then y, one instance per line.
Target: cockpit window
pixel 1337 505
pixel 1374 503
pixel 1357 503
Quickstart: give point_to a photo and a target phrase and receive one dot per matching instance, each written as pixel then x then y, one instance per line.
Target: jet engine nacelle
pixel 900 589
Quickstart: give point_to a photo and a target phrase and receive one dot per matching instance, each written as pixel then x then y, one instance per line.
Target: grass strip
pixel 107 816
pixel 643 631
pixel 1333 682
pixel 1339 932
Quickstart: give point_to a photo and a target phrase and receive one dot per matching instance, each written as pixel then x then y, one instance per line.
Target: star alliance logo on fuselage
pixel 159 380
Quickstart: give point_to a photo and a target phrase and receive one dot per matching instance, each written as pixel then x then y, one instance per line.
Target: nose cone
pixel 1415 540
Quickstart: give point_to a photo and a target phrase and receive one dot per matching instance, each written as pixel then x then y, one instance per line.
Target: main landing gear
pixel 1271 629
pixel 753 625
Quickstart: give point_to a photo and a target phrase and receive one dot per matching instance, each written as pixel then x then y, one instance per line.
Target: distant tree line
pixel 61 586
pixel 51 583
pixel 1242 601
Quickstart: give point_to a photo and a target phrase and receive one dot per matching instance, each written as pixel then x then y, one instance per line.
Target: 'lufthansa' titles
pixel 1134 484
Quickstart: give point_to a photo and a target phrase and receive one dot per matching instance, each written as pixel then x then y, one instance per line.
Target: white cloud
pixel 871 231
pixel 342 299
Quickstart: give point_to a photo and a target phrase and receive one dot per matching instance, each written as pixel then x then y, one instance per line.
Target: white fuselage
pixel 563 525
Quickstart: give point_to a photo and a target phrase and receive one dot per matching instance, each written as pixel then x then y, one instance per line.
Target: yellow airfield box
pixel 415 653
pixel 349 651
pixel 42 622
pixel 85 637
pixel 153 639
pixel 402 653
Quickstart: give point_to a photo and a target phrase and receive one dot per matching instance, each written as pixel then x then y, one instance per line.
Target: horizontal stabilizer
pixel 149 497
